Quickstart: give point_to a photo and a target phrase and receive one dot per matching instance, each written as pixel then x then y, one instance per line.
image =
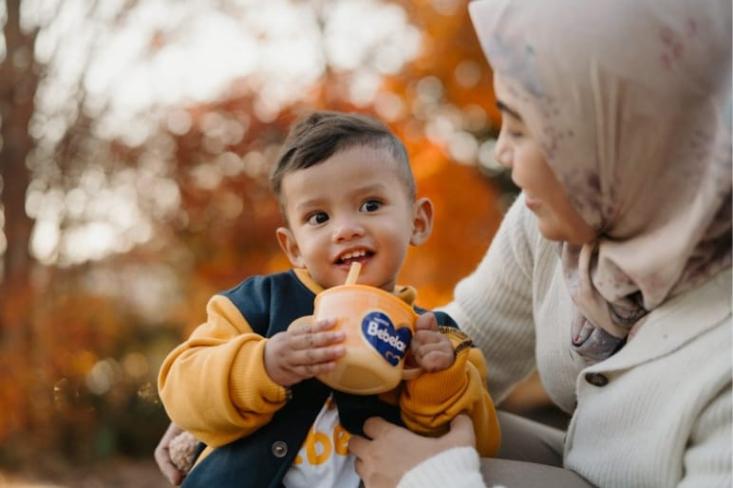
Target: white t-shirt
pixel 324 460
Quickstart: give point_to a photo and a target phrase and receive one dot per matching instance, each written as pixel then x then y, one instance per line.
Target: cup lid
pixel 367 289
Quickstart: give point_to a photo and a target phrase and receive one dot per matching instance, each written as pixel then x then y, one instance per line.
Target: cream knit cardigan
pixel 664 416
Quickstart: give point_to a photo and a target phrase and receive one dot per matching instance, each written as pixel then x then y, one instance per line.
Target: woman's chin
pixel 551 233
pixel 551 230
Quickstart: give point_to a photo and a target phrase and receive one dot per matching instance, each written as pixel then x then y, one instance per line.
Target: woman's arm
pixel 457 467
pixel 707 459
pixel 397 457
pixel 494 304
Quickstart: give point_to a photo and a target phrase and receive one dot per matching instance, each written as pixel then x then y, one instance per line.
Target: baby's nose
pixel 347 230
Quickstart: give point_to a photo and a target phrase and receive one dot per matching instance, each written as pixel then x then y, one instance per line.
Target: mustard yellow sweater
pixel 215 385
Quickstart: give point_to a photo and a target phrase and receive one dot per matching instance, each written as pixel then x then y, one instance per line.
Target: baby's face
pixel 354 206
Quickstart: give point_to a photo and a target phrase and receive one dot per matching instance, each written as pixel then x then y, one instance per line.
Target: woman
pixel 611 274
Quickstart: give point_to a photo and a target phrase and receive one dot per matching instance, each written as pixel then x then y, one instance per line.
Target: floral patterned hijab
pixel 631 102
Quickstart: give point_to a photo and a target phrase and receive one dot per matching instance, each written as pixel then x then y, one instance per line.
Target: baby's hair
pixel 319 135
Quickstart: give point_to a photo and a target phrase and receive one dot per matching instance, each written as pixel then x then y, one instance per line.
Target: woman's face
pixel 519 150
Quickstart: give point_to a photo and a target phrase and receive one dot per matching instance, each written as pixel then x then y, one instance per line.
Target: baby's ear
pixel 289 245
pixel 422 223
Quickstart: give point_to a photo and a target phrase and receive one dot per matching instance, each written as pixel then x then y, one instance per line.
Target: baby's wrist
pixel 272 366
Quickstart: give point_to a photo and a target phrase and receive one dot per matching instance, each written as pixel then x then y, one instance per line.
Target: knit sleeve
pixel 457 467
pixel 707 459
pixel 493 305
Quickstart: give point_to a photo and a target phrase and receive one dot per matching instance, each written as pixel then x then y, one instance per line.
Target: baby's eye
pixel 317 218
pixel 370 206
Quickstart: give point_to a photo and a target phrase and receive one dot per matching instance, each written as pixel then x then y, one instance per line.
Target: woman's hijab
pixel 631 102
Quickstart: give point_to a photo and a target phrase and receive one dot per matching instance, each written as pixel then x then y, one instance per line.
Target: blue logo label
pixel 379 332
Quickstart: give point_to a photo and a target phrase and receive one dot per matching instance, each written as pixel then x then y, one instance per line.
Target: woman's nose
pixel 347 229
pixel 503 152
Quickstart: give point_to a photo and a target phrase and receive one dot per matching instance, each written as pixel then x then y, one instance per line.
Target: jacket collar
pixel 679 321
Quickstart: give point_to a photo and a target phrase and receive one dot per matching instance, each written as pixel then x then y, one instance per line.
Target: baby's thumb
pixel 426 321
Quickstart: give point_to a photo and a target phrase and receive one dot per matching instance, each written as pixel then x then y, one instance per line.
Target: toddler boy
pixel 244 382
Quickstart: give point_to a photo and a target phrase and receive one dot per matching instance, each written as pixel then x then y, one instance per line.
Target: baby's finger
pixel 436 360
pixel 424 349
pixel 316 339
pixel 429 337
pixel 426 321
pixel 310 370
pixel 316 355
pixel 323 324
pixel 310 326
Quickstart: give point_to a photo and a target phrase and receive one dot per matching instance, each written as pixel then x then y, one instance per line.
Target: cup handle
pixel 411 373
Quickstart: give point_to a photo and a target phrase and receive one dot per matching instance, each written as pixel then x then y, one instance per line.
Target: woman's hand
pixel 393 451
pixel 163 458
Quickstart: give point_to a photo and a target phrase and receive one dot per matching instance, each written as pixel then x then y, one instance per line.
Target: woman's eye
pixel 513 132
pixel 317 218
pixel 371 206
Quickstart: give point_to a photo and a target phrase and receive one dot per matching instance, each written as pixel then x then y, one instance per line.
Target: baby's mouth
pixel 360 256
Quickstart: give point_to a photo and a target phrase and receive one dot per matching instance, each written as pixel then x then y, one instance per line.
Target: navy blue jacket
pixel 270 304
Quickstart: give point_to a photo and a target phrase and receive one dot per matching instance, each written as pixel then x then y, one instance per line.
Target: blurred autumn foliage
pixel 113 241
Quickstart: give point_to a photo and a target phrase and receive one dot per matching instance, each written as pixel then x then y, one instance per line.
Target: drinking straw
pixel 353 273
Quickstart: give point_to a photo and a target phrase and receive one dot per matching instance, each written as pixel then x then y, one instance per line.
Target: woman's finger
pixel 162 456
pixel 461 432
pixel 358 445
pixel 171 473
pixel 376 427
pixel 359 468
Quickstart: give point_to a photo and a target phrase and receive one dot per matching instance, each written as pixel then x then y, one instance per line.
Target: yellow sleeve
pixel 215 384
pixel 429 402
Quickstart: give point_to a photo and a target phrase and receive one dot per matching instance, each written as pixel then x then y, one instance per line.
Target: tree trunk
pixel 18 84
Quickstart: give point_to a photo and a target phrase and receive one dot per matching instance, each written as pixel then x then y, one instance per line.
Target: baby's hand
pixel 306 349
pixel 432 350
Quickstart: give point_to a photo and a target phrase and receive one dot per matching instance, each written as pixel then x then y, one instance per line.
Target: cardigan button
pixel 596 379
pixel 279 449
